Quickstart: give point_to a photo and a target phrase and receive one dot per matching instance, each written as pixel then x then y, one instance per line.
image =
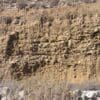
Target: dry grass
pixel 58 91
pixel 49 91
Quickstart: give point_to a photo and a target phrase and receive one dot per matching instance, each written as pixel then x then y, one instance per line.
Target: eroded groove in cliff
pixel 11 43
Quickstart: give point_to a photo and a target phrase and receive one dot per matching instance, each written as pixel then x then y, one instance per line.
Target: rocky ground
pixel 41 47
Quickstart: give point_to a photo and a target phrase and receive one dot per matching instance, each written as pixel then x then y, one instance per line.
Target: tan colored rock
pixel 63 45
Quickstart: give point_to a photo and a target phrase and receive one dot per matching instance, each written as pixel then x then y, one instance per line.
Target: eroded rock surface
pixel 53 44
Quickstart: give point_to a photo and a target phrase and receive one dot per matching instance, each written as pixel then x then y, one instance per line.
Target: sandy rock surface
pixel 49 43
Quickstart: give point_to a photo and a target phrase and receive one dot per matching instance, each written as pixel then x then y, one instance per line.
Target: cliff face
pixel 50 44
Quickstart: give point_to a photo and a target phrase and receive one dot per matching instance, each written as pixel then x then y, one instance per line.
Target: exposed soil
pixel 50 45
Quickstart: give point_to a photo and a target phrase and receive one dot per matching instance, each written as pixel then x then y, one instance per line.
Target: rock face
pixel 53 44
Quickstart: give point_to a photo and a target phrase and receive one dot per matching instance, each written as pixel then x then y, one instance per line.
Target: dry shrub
pixel 22 5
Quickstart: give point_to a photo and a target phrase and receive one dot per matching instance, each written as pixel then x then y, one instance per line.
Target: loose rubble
pixel 87 94
pixel 6 93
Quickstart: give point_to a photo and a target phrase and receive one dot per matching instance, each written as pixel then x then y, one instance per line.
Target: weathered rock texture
pixel 51 44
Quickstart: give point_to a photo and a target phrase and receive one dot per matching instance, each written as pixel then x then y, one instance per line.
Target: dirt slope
pixel 50 44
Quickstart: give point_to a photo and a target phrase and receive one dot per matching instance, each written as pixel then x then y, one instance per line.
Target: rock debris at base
pixel 87 95
pixel 7 93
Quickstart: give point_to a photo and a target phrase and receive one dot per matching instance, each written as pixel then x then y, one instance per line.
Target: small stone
pixel 69 43
pixel 21 95
pixel 16 21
